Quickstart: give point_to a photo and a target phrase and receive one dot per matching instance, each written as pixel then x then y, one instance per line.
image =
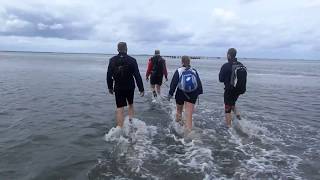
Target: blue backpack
pixel 188 80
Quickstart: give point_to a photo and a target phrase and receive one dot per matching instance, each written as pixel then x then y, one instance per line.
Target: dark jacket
pixel 225 73
pixel 127 82
pixel 175 81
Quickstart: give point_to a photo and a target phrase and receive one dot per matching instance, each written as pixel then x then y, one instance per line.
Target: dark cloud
pixel 46 24
pixel 154 30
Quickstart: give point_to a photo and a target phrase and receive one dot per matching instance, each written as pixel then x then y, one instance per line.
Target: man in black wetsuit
pixel 122 71
pixel 230 93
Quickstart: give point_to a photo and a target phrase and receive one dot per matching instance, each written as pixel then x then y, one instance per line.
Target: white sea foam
pixel 262 161
pixel 195 156
pixel 134 144
pixel 113 134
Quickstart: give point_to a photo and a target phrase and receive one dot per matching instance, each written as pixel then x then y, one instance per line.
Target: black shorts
pixel 230 97
pixel 156 79
pixel 182 97
pixel 124 96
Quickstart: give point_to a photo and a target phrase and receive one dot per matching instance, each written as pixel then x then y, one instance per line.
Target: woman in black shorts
pixel 188 87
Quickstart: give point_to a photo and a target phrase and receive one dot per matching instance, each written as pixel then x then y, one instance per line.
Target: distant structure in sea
pixel 178 57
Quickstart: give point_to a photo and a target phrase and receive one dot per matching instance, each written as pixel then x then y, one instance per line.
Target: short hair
pixel 122 47
pixel 157 52
pixel 185 60
pixel 232 52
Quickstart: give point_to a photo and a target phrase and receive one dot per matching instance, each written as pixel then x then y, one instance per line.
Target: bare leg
pixel 130 111
pixel 179 113
pixel 158 89
pixel 189 111
pixel 152 87
pixel 153 90
pixel 236 112
pixel 120 116
pixel 228 119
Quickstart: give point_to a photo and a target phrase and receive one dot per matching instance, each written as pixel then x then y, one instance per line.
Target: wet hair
pixel 122 47
pixel 232 52
pixel 185 61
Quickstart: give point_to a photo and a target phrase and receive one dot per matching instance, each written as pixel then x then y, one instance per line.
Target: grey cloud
pixel 247 1
pixel 271 31
pixel 219 43
pixel 259 37
pixel 46 24
pixel 154 30
pixel 283 44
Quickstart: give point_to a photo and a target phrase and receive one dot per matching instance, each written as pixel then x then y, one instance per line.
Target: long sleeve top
pixel 126 82
pixel 175 81
pixel 150 67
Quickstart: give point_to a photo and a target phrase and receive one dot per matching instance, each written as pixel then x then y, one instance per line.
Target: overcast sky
pixel 257 28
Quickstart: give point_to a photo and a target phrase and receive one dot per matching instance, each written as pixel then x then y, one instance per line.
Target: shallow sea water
pixel 57 122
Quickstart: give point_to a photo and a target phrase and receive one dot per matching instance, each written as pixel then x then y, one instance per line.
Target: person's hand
pixel 142 93
pixel 111 91
pixel 169 97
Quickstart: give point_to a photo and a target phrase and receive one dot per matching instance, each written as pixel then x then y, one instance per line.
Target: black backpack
pixel 157 65
pixel 121 69
pixel 238 79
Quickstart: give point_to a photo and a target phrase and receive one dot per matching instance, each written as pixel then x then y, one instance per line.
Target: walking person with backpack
pixel 122 73
pixel 156 70
pixel 187 84
pixel 234 76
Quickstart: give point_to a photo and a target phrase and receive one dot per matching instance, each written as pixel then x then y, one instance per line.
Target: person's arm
pixel 165 72
pixel 174 83
pixel 109 75
pixel 222 74
pixel 137 76
pixel 199 84
pixel 149 69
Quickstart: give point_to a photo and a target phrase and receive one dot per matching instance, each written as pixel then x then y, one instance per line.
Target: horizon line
pixel 193 56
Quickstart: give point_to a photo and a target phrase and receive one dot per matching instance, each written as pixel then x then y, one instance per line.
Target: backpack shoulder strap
pixel 155 60
pixel 235 66
pixel 240 66
pixel 180 70
pixel 194 70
